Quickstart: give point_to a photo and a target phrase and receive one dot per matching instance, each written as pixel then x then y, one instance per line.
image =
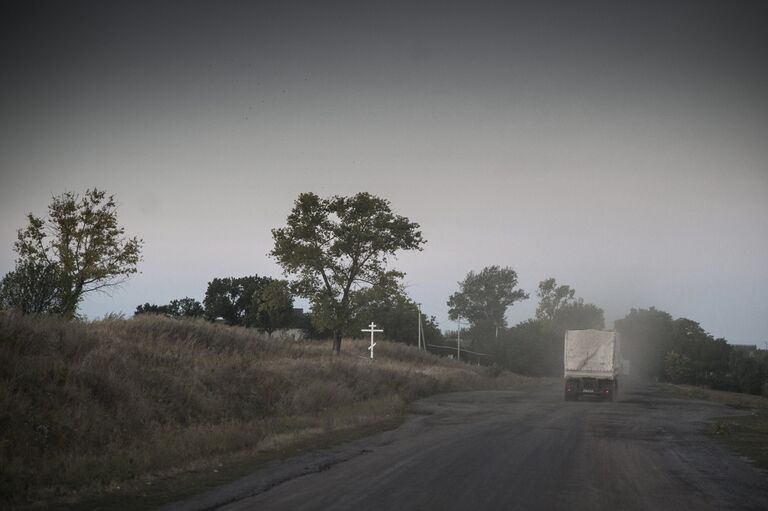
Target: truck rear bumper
pixel 601 387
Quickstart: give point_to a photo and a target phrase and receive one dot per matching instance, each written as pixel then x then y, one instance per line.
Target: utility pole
pixel 418 307
pixel 458 339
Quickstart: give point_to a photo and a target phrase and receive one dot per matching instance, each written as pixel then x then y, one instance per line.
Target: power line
pixel 463 350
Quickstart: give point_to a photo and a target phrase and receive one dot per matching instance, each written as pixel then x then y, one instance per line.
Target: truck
pixel 592 364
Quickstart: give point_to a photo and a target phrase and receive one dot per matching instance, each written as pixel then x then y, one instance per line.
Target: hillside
pixel 84 406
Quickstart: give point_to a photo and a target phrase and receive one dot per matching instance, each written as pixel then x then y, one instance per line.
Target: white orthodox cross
pixel 372 328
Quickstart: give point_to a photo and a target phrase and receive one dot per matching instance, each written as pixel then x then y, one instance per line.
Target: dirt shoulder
pixel 747 434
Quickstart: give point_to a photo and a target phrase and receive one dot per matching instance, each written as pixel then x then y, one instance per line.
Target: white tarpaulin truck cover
pixel 592 353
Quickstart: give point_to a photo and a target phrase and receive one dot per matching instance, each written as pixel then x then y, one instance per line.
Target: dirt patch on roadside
pixel 746 435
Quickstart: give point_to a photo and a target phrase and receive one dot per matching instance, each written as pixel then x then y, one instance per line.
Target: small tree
pixel 560 310
pixel 646 336
pixel 708 356
pixel 335 247
pixel 532 348
pixel 232 298
pixel 483 298
pixel 186 308
pixel 33 287
pixel 576 316
pixel 679 368
pixel 553 297
pixel 258 302
pixel 83 242
pixel 274 306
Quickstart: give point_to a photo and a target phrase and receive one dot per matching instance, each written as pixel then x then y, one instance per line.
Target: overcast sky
pixel 619 147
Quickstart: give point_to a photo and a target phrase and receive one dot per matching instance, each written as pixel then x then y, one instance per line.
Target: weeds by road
pixel 114 405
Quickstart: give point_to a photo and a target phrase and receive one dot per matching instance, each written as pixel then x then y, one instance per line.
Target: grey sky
pixel 616 147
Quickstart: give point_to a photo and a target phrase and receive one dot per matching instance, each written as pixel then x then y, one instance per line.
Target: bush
pixel 678 368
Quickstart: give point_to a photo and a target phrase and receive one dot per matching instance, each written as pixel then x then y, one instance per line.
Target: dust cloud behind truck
pixel 592 363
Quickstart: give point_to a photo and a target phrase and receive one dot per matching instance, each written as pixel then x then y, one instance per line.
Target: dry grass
pixel 86 405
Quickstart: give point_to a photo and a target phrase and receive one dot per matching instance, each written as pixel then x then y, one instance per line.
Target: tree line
pixel 335 252
pixel 335 249
pixel 532 347
pixel 681 351
pixel 253 301
pixel 656 345
pixel 267 304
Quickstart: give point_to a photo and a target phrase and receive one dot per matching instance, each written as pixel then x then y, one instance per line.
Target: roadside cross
pixel 372 328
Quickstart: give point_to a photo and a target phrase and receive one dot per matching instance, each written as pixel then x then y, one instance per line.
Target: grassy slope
pixel 746 434
pixel 86 406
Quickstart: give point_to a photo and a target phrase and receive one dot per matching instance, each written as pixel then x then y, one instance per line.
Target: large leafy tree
pixel 483 298
pixel 82 243
pixel 336 247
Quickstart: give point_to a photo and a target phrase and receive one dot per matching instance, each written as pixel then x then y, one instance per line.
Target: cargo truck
pixel 592 364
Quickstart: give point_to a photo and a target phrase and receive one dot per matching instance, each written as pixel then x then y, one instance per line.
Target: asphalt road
pixel 524 450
